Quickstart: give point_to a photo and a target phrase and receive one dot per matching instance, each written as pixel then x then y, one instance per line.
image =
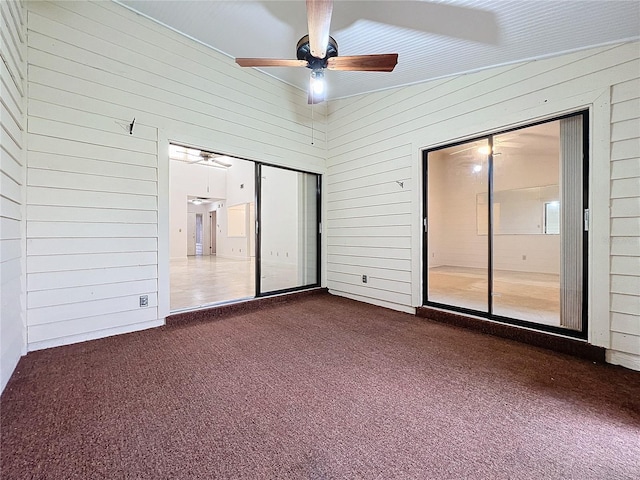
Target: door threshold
pixel 550 341
pixel 238 306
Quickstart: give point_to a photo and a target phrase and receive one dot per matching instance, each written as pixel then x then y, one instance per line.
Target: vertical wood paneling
pixel 12 187
pixel 362 131
pixel 625 223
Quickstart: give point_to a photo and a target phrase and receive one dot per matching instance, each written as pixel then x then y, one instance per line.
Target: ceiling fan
pixel 212 159
pixel 193 156
pixel 319 51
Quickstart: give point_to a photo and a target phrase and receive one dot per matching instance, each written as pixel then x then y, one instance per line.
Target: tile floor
pixel 205 280
pixel 534 297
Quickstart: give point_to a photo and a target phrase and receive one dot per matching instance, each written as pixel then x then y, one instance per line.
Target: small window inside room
pixel 237 220
pixel 505 237
pixel 552 218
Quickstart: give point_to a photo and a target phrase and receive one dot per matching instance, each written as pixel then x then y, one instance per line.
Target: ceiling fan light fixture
pixel 317 82
pixel 318 50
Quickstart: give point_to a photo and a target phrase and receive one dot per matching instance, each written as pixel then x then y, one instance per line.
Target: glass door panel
pixel 526 212
pixel 288 229
pixel 458 226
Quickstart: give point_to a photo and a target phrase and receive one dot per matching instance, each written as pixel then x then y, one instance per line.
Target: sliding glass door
pixel 457 259
pixel 505 232
pixel 239 229
pixel 288 229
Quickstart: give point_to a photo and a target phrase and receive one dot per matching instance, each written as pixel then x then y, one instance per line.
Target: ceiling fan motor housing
pixel 303 52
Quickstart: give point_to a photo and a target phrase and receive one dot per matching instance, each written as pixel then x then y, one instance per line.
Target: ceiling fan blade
pixel 270 62
pixel 364 63
pixel 319 23
pixel 220 163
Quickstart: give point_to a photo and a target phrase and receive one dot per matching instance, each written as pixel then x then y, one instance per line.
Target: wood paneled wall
pixel 375 141
pixel 98 203
pixel 625 223
pixel 13 120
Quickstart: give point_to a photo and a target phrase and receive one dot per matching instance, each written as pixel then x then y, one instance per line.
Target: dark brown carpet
pixel 319 388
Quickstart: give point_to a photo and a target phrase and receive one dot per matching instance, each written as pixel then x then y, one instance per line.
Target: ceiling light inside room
pixel 484 150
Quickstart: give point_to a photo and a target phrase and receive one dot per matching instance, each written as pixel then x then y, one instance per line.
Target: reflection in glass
pixel 458 253
pixel 289 229
pixel 526 256
pixel 519 211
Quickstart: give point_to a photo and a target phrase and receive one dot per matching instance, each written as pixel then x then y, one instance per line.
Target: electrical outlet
pixel 364 279
pixel 524 257
pixel 144 300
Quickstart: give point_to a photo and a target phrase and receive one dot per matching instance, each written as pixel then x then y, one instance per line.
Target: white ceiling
pixel 433 38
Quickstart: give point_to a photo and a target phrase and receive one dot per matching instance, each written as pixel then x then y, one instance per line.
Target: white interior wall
pixel 98 197
pixel 280 221
pixel 240 188
pixel 13 71
pixel 458 242
pixel 454 234
pixel 375 140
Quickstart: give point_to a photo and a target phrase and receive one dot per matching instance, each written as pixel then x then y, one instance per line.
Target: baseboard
pixel 83 337
pixel 374 301
pixel 9 358
pixel 627 360
pixel 557 343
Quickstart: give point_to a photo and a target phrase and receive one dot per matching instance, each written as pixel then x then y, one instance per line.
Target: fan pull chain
pixel 312 124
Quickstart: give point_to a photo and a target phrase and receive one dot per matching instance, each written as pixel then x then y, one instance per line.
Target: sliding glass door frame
pixel 258 243
pixel 583 332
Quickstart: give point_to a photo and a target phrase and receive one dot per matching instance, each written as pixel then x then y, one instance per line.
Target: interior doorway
pixel 195 234
pixel 213 227
pixel 191 234
pixel 227 200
